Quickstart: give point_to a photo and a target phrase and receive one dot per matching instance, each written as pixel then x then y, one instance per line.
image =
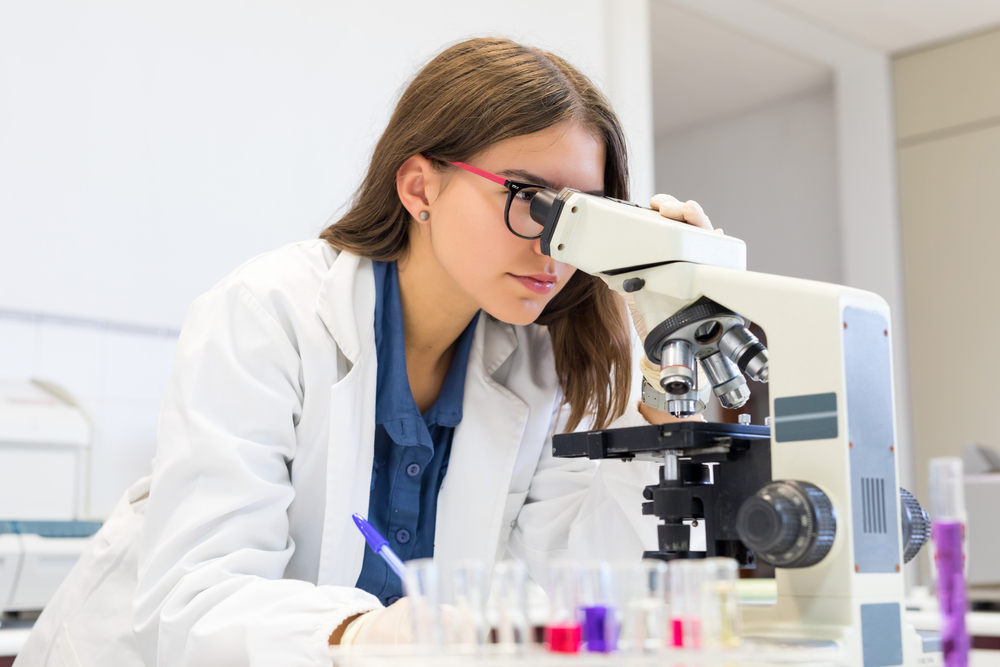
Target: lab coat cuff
pixel 332 620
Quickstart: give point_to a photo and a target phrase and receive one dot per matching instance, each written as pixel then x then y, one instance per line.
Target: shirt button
pixel 402 536
pixel 413 469
pixel 393 600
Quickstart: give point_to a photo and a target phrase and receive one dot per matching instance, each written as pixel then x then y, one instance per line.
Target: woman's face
pixel 507 276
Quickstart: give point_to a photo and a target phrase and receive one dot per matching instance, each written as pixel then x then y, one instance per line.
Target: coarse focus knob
pixel 916 524
pixel 788 524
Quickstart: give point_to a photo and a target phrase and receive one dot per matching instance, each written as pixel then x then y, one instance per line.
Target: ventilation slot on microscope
pixel 873 504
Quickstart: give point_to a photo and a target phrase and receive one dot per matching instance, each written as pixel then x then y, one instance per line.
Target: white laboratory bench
pixel 983 626
pixel 11 641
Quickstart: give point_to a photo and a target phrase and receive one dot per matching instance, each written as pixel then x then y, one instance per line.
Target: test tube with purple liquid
pixel 948 531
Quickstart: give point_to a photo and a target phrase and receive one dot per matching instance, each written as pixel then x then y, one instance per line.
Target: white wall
pixel 866 166
pixel 769 177
pixel 948 128
pixel 147 149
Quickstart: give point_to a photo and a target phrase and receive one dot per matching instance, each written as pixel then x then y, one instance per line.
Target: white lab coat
pixel 248 554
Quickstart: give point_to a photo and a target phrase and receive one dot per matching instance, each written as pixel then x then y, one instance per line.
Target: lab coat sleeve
pixel 583 509
pixel 215 540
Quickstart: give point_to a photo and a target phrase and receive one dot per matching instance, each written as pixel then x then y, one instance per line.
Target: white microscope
pixel 816 494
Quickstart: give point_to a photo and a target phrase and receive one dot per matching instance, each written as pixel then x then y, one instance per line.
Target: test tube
pixel 686 580
pixel 423 590
pixel 599 594
pixel 510 595
pixel 947 530
pixel 563 632
pixel 643 603
pixel 720 614
pixel 464 617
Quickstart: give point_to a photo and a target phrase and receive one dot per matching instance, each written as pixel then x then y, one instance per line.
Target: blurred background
pixel 147 149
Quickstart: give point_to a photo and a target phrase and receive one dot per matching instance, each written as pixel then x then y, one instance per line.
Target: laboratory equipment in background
pixel 45 440
pixel 982 541
pixel 816 493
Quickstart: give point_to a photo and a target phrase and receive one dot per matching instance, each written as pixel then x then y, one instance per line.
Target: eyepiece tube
pixel 727 381
pixel 744 350
pixel 546 207
pixel 541 205
pixel 678 373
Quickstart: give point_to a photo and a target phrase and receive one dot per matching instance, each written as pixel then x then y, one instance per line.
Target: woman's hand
pixel 389 625
pixel 689 211
pixel 394 625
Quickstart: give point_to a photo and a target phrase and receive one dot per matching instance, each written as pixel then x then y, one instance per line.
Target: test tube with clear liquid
pixel 720 613
pixel 463 617
pixel 643 588
pixel 509 595
pixel 422 587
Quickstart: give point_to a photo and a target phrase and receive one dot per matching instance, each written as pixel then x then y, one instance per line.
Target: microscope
pixel 815 492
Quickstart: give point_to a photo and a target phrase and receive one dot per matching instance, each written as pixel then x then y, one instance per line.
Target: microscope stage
pixel 691 438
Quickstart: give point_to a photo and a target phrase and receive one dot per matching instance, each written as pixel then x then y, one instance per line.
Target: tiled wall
pixel 116 372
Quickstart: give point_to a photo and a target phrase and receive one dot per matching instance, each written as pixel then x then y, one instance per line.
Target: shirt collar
pixel 395 408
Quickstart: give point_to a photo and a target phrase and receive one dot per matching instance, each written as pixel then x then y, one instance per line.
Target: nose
pixel 536 245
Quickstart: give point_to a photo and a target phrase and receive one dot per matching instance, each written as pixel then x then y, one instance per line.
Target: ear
pixel 418 184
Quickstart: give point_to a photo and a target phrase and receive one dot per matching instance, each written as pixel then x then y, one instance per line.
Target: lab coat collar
pixel 346 303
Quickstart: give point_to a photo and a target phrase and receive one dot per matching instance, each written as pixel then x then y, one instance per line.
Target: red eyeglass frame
pixel 513 187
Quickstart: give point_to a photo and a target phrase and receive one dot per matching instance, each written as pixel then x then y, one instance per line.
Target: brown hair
pixel 471 96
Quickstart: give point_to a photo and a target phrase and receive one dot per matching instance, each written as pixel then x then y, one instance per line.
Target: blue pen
pixel 380 546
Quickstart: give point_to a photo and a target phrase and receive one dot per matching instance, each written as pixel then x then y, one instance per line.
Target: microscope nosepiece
pixel 678 372
pixel 748 353
pixel 727 382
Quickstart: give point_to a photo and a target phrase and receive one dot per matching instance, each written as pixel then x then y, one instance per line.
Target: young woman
pixel 412 365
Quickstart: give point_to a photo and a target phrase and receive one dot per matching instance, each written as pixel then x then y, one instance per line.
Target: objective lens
pixel 727 381
pixel 678 374
pixel 748 353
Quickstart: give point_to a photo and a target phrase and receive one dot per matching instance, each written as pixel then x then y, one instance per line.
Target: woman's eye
pixel 525 195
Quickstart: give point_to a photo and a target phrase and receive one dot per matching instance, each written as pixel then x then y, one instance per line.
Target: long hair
pixel 471 96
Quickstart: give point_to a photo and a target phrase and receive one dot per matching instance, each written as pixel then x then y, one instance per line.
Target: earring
pixel 424 215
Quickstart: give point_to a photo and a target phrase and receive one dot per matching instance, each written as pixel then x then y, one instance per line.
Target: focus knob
pixel 788 524
pixel 916 524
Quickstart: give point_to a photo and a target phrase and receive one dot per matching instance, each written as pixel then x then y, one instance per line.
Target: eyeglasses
pixel 517 212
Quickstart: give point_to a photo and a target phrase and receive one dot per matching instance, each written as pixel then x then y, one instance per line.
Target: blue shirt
pixel 411 450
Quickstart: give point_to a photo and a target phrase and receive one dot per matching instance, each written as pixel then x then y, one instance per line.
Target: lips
pixel 539 283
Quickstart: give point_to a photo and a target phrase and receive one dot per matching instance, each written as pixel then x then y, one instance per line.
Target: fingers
pixel 690 211
pixel 695 215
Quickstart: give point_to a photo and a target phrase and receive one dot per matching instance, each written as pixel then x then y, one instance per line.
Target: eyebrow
pixel 521 175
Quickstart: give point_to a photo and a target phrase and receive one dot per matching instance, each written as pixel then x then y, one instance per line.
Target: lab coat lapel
pixel 483 452
pixel 346 304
